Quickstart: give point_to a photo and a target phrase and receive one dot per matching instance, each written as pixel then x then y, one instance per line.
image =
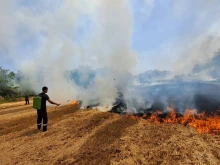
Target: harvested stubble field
pixel 77 136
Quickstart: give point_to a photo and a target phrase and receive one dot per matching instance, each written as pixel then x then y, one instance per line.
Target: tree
pixel 6 82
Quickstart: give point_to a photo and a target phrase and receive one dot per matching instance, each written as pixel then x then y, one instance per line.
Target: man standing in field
pixel 26 99
pixel 42 113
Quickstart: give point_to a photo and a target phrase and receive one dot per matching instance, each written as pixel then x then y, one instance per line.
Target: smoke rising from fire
pixel 61 46
pixel 98 34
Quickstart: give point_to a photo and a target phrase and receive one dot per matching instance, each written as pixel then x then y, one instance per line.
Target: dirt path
pixel 92 137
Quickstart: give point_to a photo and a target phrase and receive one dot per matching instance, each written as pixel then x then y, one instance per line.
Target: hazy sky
pixel 166 34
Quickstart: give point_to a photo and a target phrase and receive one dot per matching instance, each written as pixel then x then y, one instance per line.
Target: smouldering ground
pixel 92 137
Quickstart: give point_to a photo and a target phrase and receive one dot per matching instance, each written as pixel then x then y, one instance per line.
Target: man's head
pixel 45 89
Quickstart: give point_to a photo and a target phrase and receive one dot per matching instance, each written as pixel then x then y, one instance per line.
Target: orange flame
pixel 202 122
pixel 171 117
pixel 154 117
pixel 75 102
pixel 128 115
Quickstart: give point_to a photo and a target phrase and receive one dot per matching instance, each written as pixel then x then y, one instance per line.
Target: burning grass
pixel 203 122
pixel 75 102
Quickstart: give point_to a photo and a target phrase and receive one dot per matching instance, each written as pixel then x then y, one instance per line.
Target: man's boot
pixel 44 127
pixel 39 126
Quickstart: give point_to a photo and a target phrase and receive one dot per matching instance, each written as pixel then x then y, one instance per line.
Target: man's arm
pixel 51 102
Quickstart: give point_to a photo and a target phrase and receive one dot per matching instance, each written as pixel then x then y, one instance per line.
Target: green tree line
pixel 9 85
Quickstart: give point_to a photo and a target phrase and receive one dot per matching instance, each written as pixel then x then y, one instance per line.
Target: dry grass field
pixel 87 137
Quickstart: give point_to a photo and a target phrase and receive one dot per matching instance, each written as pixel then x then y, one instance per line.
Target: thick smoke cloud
pixel 45 41
pixel 201 42
pixel 187 33
pixel 61 46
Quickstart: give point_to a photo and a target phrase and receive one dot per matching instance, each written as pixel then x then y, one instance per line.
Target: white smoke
pixel 55 29
pixel 57 43
pixel 202 41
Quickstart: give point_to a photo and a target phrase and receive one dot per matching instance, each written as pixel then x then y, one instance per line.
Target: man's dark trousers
pixel 27 101
pixel 42 114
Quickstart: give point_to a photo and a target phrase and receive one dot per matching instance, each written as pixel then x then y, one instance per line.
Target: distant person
pixel 42 113
pixel 26 99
